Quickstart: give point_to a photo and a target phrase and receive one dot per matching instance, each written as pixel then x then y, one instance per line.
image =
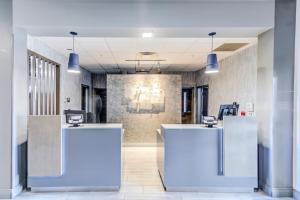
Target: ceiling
pixel 91 1
pixel 101 55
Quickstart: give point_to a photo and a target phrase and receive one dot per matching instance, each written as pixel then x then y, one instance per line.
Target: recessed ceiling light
pixel 147 35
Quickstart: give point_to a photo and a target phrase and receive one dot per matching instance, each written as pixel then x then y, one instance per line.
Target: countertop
pixel 94 126
pixel 188 126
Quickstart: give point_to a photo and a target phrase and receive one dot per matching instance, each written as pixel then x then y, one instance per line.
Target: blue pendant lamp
pixel 212 60
pixel 73 65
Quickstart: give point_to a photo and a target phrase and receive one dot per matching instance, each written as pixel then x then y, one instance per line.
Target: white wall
pixel 6 64
pixel 296 149
pixel 86 79
pixel 265 103
pixel 13 101
pixel 70 83
pixel 20 107
pixel 20 83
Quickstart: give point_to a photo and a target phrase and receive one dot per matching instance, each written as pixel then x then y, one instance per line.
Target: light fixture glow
pixel 211 72
pixel 74 71
pixel 73 64
pixel 147 35
pixel 212 65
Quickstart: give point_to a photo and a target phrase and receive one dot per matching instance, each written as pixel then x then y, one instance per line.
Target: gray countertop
pixel 188 126
pixel 94 126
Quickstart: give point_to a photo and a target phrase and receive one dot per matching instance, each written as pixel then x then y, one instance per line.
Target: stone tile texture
pixel 141 127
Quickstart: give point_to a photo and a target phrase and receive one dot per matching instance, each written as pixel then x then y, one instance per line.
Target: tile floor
pixel 141 182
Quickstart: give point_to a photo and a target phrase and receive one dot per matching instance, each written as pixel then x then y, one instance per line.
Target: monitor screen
pixel 227 110
pixel 75 112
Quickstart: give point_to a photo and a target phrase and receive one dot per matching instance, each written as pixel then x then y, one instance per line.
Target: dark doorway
pixel 85 98
pixel 100 105
pixel 202 103
pixel 187 105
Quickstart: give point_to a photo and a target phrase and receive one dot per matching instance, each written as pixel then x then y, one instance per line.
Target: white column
pixel 275 100
pixel 20 109
pixel 296 139
pixel 6 88
pixel 13 102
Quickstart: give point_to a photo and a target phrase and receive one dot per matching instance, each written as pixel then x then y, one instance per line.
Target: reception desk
pixel 192 157
pixel 90 158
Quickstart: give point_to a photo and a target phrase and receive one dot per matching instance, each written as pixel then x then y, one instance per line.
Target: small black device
pixel 227 110
pixel 209 121
pixel 75 117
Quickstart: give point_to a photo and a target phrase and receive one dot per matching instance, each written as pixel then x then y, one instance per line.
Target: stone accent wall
pixel 188 78
pixel 141 127
pixel 236 80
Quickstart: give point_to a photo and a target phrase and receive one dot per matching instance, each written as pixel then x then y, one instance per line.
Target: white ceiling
pixel 128 18
pixel 110 54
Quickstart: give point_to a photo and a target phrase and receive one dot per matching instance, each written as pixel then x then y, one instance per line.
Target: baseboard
pixel 296 195
pixel 76 189
pixel 5 193
pixel 278 192
pixel 139 144
pixel 16 191
pixel 211 189
pixel 10 193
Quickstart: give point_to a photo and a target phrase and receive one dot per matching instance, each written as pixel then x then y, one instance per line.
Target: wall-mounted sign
pixel 147 99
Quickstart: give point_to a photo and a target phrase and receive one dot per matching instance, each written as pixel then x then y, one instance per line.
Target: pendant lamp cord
pixel 212 43
pixel 158 65
pixel 73 44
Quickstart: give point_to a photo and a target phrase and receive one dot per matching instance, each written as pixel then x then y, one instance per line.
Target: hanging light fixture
pixel 73 64
pixel 212 60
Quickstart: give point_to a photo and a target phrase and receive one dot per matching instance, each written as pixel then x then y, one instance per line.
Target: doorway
pixel 187 105
pixel 100 105
pixel 85 98
pixel 202 103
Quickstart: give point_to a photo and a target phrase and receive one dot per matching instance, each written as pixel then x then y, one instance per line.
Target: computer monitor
pixel 75 112
pixel 228 109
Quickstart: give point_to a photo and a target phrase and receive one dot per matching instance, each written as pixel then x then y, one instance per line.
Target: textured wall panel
pixel 188 78
pixel 236 80
pixel 141 127
pixel 44 146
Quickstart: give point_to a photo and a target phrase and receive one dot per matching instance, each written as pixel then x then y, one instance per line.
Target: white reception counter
pixel 88 157
pixel 193 157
